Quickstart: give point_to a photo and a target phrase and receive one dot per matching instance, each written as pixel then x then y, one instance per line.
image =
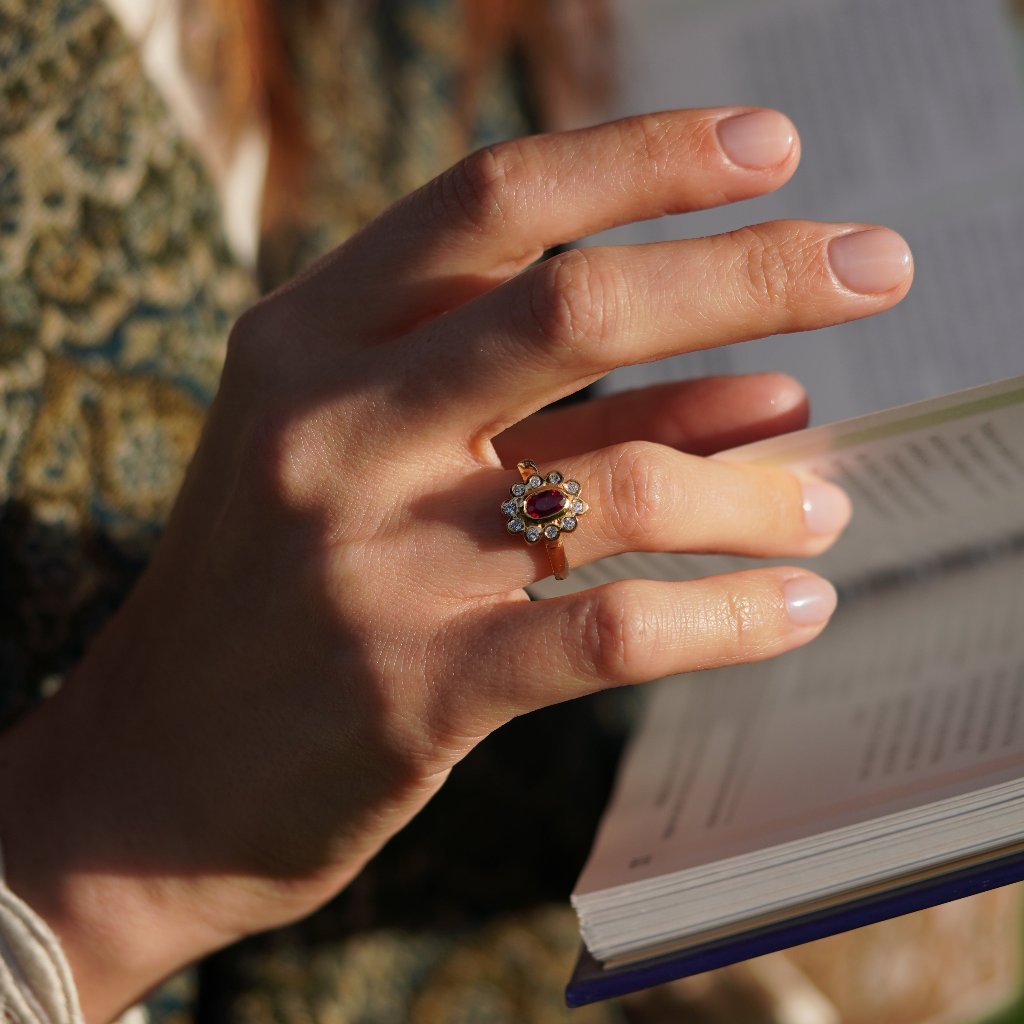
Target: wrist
pixel 139 832
pixel 79 847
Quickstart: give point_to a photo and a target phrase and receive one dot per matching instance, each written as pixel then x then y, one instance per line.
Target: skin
pixel 332 619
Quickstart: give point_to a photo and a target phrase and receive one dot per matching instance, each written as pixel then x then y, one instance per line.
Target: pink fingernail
pixel 810 600
pixel 760 139
pixel 870 261
pixel 826 507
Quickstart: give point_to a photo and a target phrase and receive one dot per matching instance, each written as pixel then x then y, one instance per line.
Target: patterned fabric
pixel 116 292
pixel 382 121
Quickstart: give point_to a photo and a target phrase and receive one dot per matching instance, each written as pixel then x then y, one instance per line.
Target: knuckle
pixel 452 718
pixel 275 458
pixel 250 349
pixel 643 489
pixel 766 267
pixel 481 188
pixel 272 446
pixel 781 498
pixel 656 138
pixel 257 353
pixel 774 516
pixel 740 624
pixel 617 634
pixel 568 305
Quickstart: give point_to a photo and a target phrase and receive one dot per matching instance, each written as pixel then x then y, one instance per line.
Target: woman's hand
pixel 335 614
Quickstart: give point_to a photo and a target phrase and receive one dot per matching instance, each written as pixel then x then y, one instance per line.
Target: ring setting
pixel 544 507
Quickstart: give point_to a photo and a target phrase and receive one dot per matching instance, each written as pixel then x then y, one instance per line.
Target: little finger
pixel 632 631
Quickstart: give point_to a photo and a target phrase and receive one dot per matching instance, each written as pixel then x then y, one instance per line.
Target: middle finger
pixel 569 321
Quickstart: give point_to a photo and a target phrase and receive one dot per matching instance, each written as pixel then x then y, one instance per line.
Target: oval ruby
pixel 545 504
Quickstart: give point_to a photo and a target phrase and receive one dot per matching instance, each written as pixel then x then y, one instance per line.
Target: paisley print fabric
pixel 116 293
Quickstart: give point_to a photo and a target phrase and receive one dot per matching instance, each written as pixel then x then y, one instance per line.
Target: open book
pixel 880 769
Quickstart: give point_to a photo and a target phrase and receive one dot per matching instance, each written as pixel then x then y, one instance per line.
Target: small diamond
pixel 509 508
pixel 572 486
pixel 554 478
pixel 516 526
pixel 551 532
pixel 535 481
pixel 577 506
pixel 533 534
pixel 568 523
pixel 518 490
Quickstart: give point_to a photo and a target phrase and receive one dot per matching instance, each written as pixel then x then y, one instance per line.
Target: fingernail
pixel 826 507
pixel 810 600
pixel 870 261
pixel 757 140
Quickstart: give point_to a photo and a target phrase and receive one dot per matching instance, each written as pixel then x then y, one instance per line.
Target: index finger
pixel 498 210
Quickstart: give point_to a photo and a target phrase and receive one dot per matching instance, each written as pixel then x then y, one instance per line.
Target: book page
pixel 913 694
pixel 930 482
pixel 911 114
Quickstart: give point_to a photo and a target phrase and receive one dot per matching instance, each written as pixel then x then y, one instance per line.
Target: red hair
pixel 247 67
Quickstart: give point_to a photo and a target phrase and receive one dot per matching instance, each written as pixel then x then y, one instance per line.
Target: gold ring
pixel 543 507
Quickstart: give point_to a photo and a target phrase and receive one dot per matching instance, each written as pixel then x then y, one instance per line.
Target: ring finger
pixel 642 496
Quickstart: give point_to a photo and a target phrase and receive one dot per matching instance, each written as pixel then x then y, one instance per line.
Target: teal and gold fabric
pixel 116 293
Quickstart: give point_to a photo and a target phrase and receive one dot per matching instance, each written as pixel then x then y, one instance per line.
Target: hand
pixel 335 614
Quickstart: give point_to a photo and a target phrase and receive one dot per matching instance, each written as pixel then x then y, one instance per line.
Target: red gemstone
pixel 544 504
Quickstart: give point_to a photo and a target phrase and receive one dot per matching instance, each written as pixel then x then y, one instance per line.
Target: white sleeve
pixel 35 980
pixel 36 986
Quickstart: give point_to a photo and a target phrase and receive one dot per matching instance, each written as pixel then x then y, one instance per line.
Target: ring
pixel 544 507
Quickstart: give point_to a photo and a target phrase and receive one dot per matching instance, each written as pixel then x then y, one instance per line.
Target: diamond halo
pixel 543 506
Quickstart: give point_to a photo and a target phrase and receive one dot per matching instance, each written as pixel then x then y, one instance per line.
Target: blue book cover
pixel 591 982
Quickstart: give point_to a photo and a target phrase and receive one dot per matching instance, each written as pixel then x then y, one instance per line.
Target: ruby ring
pixel 543 507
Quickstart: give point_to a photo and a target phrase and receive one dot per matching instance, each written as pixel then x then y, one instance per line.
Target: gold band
pixel 557 559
